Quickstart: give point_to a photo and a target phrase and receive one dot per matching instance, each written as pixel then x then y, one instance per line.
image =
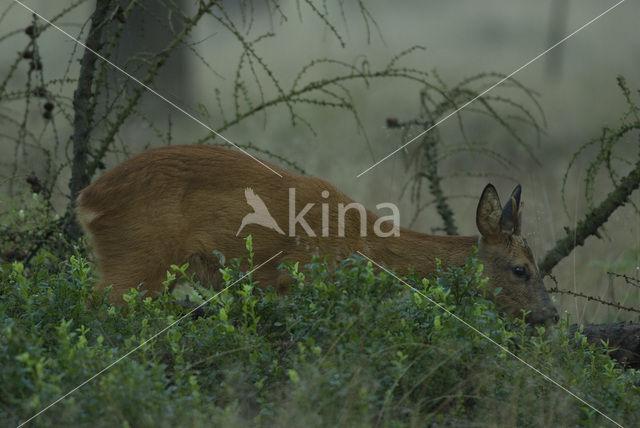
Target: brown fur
pixel 174 204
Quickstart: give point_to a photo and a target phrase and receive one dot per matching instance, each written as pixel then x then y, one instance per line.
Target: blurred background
pixel 574 84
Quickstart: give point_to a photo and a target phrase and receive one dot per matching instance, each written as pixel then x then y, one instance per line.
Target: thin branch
pixel 634 282
pixel 616 305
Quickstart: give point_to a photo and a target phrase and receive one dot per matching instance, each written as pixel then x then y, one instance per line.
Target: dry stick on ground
pixel 592 222
pixel 623 337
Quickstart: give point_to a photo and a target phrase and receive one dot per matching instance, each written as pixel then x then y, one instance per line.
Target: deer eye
pixel 519 271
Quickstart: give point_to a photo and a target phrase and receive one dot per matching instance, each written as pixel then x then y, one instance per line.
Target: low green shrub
pixel 348 346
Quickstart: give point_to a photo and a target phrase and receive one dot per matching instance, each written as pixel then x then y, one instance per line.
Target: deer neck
pixel 419 251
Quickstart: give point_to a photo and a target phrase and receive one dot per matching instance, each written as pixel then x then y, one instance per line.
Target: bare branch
pixel 592 221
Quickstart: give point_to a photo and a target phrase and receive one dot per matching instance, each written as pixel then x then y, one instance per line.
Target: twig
pixel 594 299
pixel 635 282
pixel 429 144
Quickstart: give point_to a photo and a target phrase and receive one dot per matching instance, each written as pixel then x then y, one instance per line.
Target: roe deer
pixel 179 203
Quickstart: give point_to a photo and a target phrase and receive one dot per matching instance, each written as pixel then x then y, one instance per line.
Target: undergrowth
pixel 347 347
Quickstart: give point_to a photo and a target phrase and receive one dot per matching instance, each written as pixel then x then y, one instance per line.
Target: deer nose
pixel 546 317
pixel 554 316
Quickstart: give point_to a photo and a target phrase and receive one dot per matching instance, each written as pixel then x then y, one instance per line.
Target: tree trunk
pixel 83 107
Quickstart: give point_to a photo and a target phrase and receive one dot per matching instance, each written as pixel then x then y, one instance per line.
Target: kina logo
pixel 262 217
pixel 260 214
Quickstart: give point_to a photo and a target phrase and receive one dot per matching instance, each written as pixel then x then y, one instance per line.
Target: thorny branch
pixel 588 297
pixel 593 221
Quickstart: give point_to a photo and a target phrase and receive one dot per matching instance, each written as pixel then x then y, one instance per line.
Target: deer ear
pixel 517 230
pixel 510 219
pixel 489 212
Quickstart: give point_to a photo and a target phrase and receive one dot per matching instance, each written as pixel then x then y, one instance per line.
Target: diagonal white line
pixel 148 340
pixel 490 88
pixel 489 339
pixel 148 88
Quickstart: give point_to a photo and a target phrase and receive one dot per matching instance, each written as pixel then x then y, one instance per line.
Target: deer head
pixel 508 260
